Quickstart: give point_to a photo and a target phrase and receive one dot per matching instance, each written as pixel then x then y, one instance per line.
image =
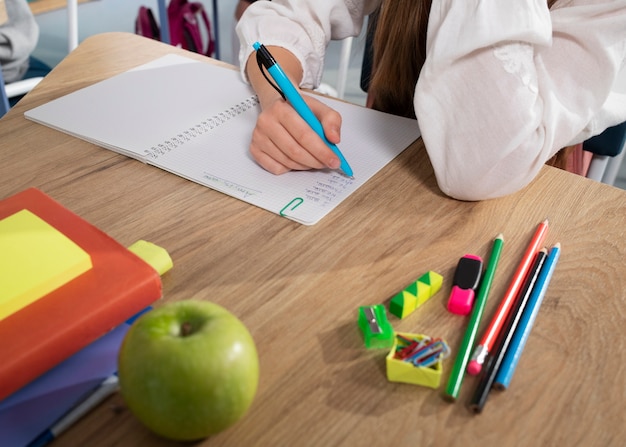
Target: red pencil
pixel 495 326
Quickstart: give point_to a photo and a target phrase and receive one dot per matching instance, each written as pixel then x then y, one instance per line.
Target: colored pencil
pixel 499 318
pixel 515 349
pixel 456 375
pixel 504 338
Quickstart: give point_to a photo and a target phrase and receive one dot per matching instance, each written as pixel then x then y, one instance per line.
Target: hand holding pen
pixel 282 140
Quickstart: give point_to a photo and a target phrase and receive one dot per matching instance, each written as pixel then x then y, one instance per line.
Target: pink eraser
pixel 461 300
pixel 473 368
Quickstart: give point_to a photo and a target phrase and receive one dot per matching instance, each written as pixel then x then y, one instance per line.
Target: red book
pixel 59 324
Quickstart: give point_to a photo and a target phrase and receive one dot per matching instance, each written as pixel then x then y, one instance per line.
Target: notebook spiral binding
pixel 201 128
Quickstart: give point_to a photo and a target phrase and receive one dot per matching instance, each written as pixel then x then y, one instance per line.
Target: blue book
pixel 33 409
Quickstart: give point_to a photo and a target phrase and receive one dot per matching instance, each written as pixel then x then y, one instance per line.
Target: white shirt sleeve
pixel 505 86
pixel 303 27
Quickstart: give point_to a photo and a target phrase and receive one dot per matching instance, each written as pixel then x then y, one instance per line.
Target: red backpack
pixel 190 27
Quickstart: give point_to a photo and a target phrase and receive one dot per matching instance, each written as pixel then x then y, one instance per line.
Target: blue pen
pixel 290 93
pixel 104 390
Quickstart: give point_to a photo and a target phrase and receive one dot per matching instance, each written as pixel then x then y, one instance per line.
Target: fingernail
pixel 334 163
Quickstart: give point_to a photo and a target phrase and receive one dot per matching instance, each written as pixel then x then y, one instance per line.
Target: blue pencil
pixel 514 352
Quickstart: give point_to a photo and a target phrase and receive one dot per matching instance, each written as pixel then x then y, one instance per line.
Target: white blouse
pixel 504 87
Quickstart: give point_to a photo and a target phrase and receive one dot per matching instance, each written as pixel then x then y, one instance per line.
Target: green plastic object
pixel 415 294
pixel 377 331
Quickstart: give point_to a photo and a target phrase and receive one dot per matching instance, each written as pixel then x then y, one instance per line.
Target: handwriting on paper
pixel 324 192
pixel 234 188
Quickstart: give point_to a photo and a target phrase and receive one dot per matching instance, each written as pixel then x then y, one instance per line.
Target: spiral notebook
pixel 195 119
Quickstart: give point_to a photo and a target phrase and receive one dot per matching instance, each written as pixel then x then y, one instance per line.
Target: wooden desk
pixel 42 6
pixel 298 288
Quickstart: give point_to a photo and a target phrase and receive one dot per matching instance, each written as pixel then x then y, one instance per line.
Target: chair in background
pixel 366 65
pixel 20 88
pixel 12 92
pixel 72 25
pixel 368 54
pixel 344 62
pixel 9 93
pixel 608 152
pixel 4 99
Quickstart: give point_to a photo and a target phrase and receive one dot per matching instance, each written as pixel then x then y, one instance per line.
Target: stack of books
pixel 68 294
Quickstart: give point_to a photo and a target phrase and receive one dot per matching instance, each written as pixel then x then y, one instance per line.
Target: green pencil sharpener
pixel 377 331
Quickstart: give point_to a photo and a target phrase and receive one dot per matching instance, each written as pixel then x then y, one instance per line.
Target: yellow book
pixel 35 259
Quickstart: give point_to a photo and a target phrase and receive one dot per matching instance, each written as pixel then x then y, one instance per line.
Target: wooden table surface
pixel 298 288
pixel 42 6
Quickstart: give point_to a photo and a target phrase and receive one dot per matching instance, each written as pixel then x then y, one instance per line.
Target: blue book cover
pixel 34 408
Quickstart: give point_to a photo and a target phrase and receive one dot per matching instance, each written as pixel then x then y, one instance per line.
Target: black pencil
pixel 493 361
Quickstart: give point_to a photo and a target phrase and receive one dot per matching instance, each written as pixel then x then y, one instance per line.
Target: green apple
pixel 188 369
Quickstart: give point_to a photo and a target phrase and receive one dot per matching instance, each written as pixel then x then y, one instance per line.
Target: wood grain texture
pixel 297 288
pixel 43 6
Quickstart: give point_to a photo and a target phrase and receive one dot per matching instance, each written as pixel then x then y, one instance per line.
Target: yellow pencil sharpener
pixel 422 362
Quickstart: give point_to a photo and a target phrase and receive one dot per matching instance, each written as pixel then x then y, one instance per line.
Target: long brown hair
pixel 399 54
